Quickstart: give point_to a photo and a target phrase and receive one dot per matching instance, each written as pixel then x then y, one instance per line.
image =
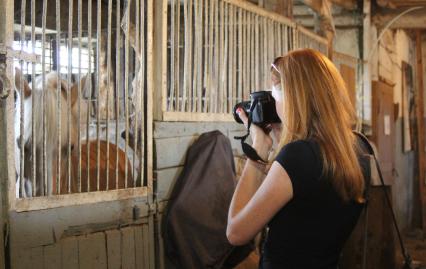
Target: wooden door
pixel 383 127
pixel 79 229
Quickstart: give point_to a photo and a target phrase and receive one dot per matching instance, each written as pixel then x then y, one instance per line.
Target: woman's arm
pixel 254 202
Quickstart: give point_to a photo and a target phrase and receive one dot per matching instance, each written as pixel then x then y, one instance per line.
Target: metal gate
pixel 75 110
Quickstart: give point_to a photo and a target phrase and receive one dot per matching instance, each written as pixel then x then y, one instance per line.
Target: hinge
pixel 152 208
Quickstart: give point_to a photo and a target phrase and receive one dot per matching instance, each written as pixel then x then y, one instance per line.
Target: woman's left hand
pixel 262 142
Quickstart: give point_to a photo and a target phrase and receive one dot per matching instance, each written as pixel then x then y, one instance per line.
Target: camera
pixel 260 109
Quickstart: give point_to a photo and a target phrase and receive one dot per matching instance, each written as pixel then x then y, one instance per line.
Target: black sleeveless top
pixel 311 229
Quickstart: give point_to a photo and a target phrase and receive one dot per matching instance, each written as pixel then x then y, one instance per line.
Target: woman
pixel 312 194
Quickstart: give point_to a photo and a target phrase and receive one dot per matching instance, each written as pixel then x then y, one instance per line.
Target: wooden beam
pixel 347 4
pixel 421 128
pixel 413 20
pixel 285 7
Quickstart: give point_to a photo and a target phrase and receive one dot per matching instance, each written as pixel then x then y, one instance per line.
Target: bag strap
pixel 407 258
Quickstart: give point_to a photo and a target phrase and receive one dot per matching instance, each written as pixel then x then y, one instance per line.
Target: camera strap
pixel 248 150
pixel 407 258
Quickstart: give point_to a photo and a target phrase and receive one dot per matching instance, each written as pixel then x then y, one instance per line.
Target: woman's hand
pixel 262 142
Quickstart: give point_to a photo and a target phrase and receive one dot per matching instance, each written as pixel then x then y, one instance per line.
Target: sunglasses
pixel 274 64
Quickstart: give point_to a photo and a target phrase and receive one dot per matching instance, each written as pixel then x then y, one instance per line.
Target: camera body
pixel 261 109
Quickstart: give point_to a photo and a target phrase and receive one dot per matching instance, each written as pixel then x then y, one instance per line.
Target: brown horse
pixel 89 169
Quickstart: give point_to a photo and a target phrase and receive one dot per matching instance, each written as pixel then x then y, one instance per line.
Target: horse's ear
pixel 74 89
pixel 26 87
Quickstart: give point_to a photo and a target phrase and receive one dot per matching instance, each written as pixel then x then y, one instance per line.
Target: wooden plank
pixel 189 116
pixel 128 248
pixel 92 251
pixel 159 80
pixel 113 238
pixel 166 179
pixel 69 248
pixel 146 242
pixel 150 94
pixel 178 146
pixel 246 5
pixel 177 129
pixel 420 129
pixel 150 241
pixel 52 256
pixel 159 238
pixel 39 203
pixel 27 258
pixel 138 232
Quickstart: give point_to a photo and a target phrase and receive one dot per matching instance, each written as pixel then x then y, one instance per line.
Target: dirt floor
pixel 415 242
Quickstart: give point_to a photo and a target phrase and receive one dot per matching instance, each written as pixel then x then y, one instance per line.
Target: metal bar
pixel 136 113
pixel 33 126
pixel 206 55
pixel 231 55
pixel 252 65
pixel 234 55
pixel 191 67
pixel 126 88
pixel 240 55
pixel 186 55
pixel 256 50
pixel 221 70
pixel 228 104
pixel 108 89
pixel 264 55
pixel 143 90
pixel 173 76
pixel 43 79
pixel 243 66
pixel 247 56
pixel 210 64
pixel 118 86
pixel 98 89
pixel 80 19
pixel 286 39
pixel 199 25
pixel 178 76
pixel 70 17
pixel 89 48
pixel 22 151
pixel 197 67
pixel 215 74
pixel 59 97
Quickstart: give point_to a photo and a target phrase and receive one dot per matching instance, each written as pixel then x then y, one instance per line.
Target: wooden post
pixel 285 7
pixel 420 129
pixel 366 62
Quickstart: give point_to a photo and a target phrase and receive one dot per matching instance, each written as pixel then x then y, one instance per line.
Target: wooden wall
pixel 171 141
pixel 115 234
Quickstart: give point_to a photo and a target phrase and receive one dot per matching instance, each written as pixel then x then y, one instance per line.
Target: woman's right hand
pixel 262 142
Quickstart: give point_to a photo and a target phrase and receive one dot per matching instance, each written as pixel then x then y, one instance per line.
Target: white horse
pixel 45 110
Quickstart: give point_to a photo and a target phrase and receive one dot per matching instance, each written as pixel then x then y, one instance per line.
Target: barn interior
pixel 101 102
